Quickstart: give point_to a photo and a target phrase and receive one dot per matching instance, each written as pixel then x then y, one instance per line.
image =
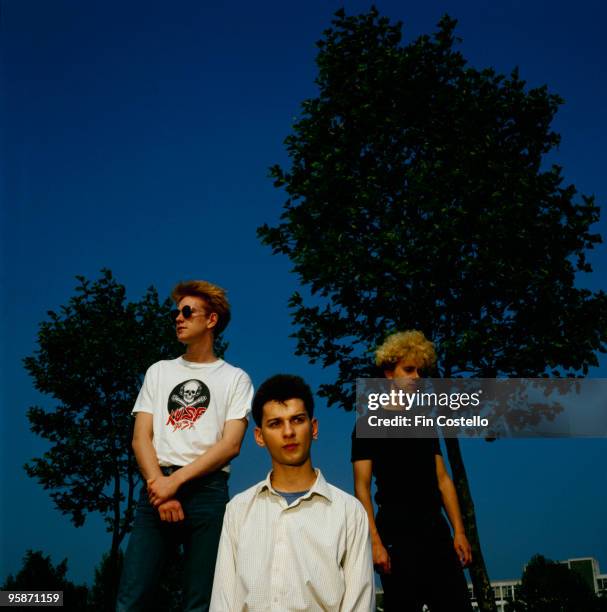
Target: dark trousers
pixel 425 567
pixel 152 543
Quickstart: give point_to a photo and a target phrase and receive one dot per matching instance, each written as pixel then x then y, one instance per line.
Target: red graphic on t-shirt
pixel 184 418
pixel 187 403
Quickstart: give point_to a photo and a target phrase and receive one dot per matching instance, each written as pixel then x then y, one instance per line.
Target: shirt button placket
pixel 278 580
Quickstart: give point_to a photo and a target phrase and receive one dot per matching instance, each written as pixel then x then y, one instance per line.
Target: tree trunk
pixel 478 572
pixel 116 540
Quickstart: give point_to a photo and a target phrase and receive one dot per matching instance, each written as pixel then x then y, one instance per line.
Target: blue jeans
pixel 152 542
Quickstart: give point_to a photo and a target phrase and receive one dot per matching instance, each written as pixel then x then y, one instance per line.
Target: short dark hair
pixel 280 388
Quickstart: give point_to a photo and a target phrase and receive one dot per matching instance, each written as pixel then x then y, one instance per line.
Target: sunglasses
pixel 186 312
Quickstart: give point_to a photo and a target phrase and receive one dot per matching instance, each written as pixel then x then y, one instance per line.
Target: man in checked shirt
pixel 293 541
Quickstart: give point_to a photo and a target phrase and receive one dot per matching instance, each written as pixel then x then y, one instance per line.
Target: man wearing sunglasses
pixel 190 421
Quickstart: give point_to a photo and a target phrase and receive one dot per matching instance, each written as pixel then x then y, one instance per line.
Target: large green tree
pixel 91 358
pixel 419 197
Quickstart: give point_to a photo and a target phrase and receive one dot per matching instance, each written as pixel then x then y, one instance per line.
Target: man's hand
pixel 462 548
pixel 171 511
pixel 381 558
pixel 161 489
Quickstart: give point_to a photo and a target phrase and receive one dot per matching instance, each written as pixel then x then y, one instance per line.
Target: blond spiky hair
pixel 410 344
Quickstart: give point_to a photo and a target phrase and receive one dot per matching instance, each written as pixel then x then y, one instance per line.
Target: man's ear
pixel 314 429
pixel 259 437
pixel 213 319
pixel 389 373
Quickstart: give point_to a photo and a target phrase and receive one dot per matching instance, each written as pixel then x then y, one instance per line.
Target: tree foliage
pixel 419 197
pixel 39 574
pixel 547 586
pixel 102 593
pixel 169 594
pixel 91 358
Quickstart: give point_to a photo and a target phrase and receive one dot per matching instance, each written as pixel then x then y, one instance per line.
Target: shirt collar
pixel 320 487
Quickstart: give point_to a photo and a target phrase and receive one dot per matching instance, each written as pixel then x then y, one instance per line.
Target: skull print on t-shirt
pixel 187 402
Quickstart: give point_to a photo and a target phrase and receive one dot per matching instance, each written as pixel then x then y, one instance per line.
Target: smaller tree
pixel 39 574
pixel 91 358
pixel 547 586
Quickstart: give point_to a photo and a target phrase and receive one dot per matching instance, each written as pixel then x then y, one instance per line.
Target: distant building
pixel 504 590
pixel 588 569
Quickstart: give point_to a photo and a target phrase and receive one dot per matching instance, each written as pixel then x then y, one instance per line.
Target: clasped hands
pixel 161 491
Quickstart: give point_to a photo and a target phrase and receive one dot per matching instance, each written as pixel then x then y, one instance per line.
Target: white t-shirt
pixel 191 403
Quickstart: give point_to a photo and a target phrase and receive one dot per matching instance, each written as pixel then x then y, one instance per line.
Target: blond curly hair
pixel 410 344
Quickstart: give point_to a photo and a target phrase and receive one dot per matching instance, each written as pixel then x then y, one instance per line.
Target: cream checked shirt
pixel 312 555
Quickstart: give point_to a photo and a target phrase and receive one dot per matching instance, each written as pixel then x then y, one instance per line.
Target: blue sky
pixel 137 136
